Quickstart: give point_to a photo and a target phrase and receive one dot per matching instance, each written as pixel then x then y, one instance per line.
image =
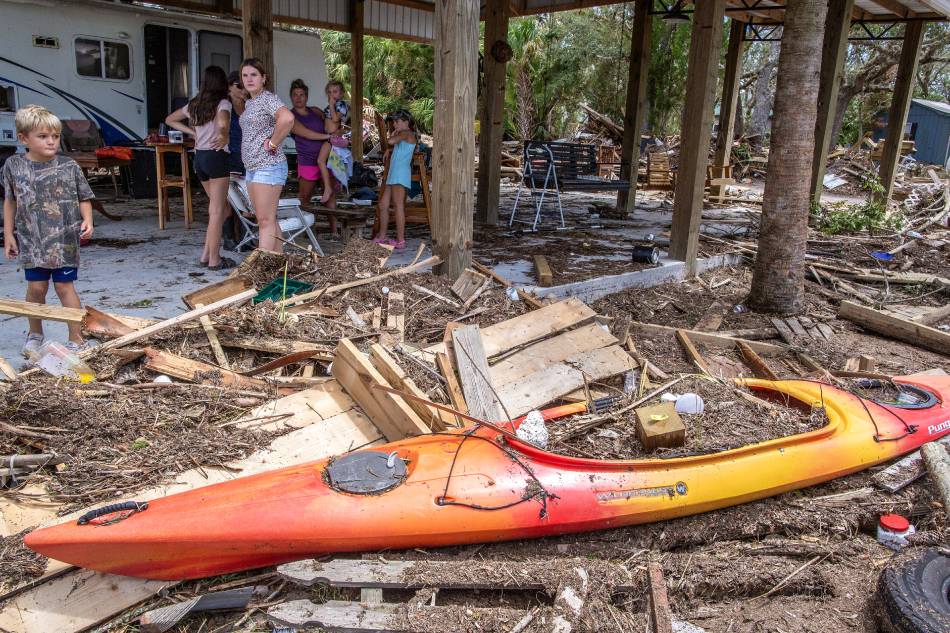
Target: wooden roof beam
pixel 894 7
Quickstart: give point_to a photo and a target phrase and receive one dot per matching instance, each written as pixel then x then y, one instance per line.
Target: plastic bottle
pixel 893 530
pixel 56 360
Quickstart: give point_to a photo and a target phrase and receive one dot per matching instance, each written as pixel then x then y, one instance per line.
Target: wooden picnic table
pixel 350 221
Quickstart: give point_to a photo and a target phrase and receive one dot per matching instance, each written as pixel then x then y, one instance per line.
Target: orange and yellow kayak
pixel 476 485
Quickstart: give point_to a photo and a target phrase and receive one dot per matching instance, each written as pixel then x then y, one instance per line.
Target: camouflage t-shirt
pixel 47 220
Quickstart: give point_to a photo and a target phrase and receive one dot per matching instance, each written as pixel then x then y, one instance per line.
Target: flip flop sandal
pixel 224 264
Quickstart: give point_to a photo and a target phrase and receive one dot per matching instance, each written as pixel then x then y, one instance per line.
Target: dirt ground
pixel 803 561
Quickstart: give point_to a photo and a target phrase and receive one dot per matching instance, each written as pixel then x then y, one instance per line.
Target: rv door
pixel 219 49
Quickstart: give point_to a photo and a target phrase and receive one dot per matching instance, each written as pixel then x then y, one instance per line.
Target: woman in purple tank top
pixel 308 148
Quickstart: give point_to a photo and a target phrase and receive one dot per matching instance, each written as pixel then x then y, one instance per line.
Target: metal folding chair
pixel 538 166
pixel 292 220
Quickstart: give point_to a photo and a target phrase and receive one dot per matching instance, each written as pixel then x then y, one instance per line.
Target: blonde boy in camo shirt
pixel 47 209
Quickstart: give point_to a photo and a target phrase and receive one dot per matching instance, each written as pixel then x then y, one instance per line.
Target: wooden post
pixel 635 108
pixel 900 103
pixel 356 78
pixel 730 97
pixel 453 164
pixel 492 115
pixel 257 22
pixel 834 52
pixel 697 121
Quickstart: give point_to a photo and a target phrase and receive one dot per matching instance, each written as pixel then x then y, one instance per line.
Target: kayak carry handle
pixel 131 506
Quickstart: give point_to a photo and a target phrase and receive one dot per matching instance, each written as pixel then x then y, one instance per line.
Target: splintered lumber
pixel 7 369
pixel 467 283
pixel 659 614
pixel 223 289
pixel 933 316
pixel 162 619
pixel 904 472
pixel 83 598
pixel 938 467
pixel 524 296
pixel 711 320
pixel 435 260
pixel 415 574
pixel 435 295
pixel 708 338
pixel 565 346
pixel 387 366
pixel 104 325
pixel 283 361
pixel 396 316
pixel 444 364
pixel 355 617
pixel 530 327
pixel 660 426
pixel 394 418
pixel 474 374
pixel 219 354
pixel 692 352
pixel 543 271
pixel 49 312
pixel 755 362
pixel 196 371
pixel 561 378
pixel 896 327
pixel 272 345
pixel 192 315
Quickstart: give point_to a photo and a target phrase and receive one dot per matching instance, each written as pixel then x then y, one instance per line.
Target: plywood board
pixel 550 351
pixel 217 291
pixel 562 378
pixel 530 327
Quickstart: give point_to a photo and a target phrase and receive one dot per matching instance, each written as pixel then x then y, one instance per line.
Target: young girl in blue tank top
pixel 398 178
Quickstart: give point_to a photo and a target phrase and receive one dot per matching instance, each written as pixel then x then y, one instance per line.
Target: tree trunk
pixel 740 118
pixel 762 98
pixel 845 95
pixel 779 277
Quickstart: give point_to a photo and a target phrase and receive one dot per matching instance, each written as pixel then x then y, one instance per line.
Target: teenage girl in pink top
pixel 209 116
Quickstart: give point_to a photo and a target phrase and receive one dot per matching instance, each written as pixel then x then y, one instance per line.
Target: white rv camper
pixel 127 66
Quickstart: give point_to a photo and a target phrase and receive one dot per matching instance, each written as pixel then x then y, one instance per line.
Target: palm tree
pixel 779 278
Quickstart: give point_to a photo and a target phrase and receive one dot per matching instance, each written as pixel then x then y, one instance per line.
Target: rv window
pixel 89 58
pixel 117 60
pixel 102 59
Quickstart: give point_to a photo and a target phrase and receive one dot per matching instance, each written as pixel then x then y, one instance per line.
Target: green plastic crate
pixel 274 290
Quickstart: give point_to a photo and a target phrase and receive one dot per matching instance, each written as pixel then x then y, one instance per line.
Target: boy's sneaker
pixel 76 348
pixel 32 345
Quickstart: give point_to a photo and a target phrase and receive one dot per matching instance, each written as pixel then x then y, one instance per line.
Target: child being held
pixel 47 209
pixel 398 178
pixel 336 116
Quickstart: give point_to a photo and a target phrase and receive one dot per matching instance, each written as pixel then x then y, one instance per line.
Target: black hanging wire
pixel 910 429
pixel 541 494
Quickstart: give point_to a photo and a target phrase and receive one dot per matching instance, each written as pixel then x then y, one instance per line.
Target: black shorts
pixel 211 163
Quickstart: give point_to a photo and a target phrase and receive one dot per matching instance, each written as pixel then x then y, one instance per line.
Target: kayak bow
pixel 472 485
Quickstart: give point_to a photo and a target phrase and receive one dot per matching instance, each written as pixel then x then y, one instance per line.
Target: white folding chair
pixel 291 219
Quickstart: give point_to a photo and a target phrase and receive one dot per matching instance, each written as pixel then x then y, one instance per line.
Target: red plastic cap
pixel 894 522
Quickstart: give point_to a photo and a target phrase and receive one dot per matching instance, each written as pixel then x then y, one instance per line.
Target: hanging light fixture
pixel 675 15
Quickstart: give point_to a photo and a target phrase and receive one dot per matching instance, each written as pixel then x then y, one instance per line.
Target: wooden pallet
pixel 427 577
pixel 795 330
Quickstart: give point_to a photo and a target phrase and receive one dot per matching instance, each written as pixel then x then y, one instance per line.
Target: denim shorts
pixel 273 175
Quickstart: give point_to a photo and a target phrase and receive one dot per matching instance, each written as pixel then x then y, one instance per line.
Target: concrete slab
pixel 131 268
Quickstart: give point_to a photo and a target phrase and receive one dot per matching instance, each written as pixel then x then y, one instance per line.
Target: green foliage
pixel 843 217
pixel 396 74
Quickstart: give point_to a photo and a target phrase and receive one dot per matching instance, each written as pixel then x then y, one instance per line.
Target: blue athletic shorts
pixel 59 275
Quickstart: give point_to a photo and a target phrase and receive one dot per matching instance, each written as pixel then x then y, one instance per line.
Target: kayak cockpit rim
pixel 793 390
